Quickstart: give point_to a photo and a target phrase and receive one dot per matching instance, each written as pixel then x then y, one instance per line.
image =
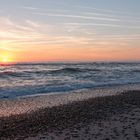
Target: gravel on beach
pixel 105 118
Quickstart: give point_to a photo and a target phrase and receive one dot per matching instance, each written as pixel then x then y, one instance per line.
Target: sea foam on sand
pixel 32 103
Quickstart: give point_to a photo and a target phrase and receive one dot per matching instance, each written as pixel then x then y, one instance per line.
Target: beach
pixel 101 114
pixel 70 70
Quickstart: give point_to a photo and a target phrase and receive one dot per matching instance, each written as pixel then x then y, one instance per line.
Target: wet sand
pixel 106 117
pixel 28 104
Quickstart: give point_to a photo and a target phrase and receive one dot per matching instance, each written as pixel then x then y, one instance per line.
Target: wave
pixel 11 74
pixel 21 91
pixel 67 70
pixel 20 80
pixel 136 71
pixel 5 74
pixel 63 70
pixel 74 70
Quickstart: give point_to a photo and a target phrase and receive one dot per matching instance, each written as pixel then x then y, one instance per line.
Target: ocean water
pixel 45 78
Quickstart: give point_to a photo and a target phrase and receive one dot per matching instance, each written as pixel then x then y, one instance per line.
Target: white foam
pixel 27 104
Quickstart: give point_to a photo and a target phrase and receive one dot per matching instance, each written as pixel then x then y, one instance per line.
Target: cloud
pixel 77 16
pixel 101 24
pixel 12 31
pixel 30 32
pixel 32 23
pixel 109 15
pixel 104 10
pixel 29 8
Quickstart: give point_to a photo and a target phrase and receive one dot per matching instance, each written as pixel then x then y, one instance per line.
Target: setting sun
pixel 6 58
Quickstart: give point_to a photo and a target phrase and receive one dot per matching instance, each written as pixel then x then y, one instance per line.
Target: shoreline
pixel 28 104
pixel 60 117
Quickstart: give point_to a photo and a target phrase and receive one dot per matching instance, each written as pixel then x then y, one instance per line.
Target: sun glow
pixel 6 58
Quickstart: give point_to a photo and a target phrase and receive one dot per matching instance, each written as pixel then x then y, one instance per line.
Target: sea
pixel 30 79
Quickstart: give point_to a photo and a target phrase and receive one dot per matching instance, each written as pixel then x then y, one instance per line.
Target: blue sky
pixel 107 24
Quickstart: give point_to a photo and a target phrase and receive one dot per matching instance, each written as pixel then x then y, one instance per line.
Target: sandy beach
pixel 102 114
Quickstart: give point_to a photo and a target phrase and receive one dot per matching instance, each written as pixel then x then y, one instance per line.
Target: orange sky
pixel 81 53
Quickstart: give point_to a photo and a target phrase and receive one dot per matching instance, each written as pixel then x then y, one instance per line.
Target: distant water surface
pixel 30 79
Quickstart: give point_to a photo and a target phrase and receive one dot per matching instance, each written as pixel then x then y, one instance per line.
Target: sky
pixel 69 30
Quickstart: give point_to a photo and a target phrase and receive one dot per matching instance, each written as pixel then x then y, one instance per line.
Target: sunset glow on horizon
pixel 81 30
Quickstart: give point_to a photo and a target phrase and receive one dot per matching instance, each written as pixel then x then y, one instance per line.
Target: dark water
pixel 30 79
